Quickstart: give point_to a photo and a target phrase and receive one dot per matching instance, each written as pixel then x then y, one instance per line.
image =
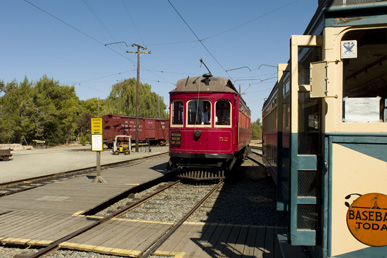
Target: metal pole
pixel 158 106
pixel 99 178
pixel 137 98
pixel 137 87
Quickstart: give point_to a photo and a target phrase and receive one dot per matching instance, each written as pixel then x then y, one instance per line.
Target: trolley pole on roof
pixel 137 84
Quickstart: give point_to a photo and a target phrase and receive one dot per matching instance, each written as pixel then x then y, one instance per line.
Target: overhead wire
pixel 62 21
pixel 105 76
pixel 229 29
pixel 249 21
pixel 134 25
pixel 100 21
pixel 90 37
pixel 200 41
pixel 78 30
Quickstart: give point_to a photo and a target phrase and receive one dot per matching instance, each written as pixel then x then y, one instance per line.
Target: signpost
pixel 97 145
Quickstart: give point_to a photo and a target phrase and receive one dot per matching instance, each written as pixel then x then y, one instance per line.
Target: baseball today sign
pixel 367 219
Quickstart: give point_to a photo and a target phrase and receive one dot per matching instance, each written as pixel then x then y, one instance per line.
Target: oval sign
pixel 367 219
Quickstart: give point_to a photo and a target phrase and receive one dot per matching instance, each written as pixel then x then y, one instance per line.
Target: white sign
pixel 348 49
pixel 362 109
pixel 96 142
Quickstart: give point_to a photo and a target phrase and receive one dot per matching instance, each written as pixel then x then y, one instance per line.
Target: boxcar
pixel 154 130
pixel 325 131
pixel 210 128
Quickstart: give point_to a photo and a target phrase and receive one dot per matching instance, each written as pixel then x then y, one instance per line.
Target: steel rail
pixel 154 246
pixel 55 245
pixel 32 180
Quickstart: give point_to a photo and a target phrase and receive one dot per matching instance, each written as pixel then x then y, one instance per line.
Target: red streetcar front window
pixel 199 112
pixel 177 113
pixel 223 108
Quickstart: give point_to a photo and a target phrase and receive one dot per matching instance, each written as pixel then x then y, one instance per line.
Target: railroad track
pixel 152 247
pixel 34 182
pixel 256 156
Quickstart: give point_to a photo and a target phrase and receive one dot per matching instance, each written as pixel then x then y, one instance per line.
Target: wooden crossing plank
pixel 107 230
pixel 122 230
pixel 17 219
pixel 91 236
pixel 153 232
pixel 239 246
pixel 190 243
pixel 248 250
pixel 259 249
pixel 4 212
pixel 222 239
pixel 16 229
pixel 126 236
pixel 58 230
pixel 214 240
pixel 36 229
pixel 204 241
pixel 177 241
pixel 229 245
pixel 131 241
pixel 269 243
pixel 81 242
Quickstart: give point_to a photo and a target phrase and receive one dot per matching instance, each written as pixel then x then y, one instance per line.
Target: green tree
pixel 122 100
pixel 16 111
pixel 90 106
pixel 256 130
pixel 58 110
pixel 48 111
pixel 45 110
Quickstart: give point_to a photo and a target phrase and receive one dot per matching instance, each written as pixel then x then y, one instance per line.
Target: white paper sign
pixel 348 49
pixel 96 142
pixel 362 109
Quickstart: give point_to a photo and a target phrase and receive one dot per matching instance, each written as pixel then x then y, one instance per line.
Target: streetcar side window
pixel 223 108
pixel 364 57
pixel 177 112
pixel 199 112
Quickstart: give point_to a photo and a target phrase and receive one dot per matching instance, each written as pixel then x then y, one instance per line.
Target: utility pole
pixel 137 84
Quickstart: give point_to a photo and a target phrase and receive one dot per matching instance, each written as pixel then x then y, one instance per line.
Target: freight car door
pixel 150 129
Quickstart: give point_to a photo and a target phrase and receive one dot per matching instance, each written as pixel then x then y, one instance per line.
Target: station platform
pixel 26 164
pixel 40 216
pixel 80 194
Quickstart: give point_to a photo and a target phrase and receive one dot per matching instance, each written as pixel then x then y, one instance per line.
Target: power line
pixel 78 30
pixel 249 21
pixel 173 43
pixel 227 30
pixel 134 25
pixel 200 41
pixel 62 21
pixel 100 21
pixel 93 38
pixel 105 76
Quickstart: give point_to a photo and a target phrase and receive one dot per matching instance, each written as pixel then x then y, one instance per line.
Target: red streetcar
pixel 210 127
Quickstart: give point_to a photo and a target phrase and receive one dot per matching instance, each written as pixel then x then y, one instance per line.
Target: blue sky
pixel 66 41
